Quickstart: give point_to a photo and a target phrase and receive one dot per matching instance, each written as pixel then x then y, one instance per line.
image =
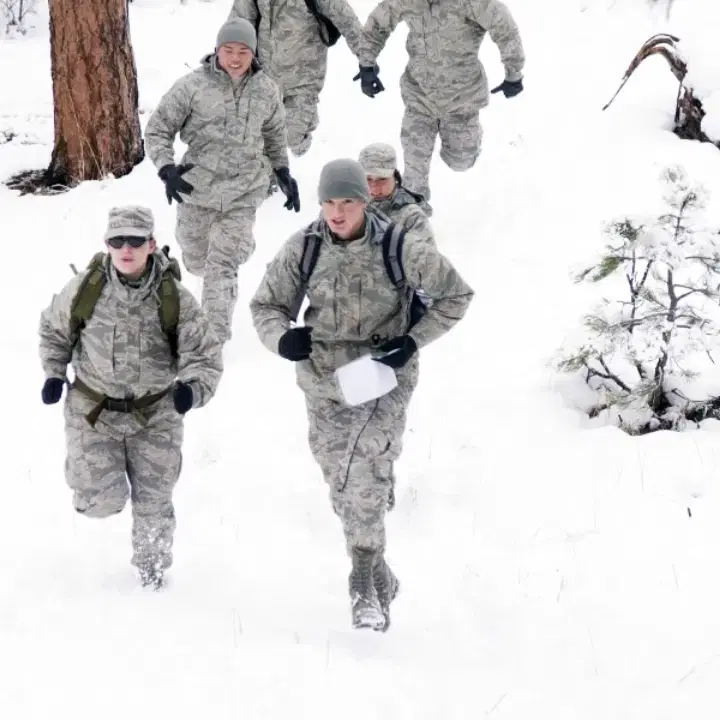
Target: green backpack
pixel 92 285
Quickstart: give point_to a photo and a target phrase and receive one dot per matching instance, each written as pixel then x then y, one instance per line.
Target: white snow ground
pixel 551 568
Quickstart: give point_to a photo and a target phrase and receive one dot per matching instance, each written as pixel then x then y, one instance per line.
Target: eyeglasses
pixel 132 240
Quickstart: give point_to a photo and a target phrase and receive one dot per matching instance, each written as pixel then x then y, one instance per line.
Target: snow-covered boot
pixel 366 611
pixel 386 586
pixel 151 573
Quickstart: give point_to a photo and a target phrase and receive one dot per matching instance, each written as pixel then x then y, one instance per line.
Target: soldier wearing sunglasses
pixel 143 354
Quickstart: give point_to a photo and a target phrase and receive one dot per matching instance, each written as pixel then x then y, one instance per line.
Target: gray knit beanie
pixel 343 179
pixel 239 31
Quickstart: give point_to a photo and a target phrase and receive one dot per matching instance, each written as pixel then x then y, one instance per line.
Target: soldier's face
pixel 128 260
pixel 344 217
pixel 235 59
pixel 381 187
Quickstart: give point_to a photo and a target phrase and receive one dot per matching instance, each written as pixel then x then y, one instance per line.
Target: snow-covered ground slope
pixel 550 568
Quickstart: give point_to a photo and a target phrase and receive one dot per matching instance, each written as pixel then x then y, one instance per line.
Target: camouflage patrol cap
pixel 130 220
pixel 378 160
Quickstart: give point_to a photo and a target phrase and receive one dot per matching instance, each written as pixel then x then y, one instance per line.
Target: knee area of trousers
pixel 459 162
pixel 301 145
pixel 99 510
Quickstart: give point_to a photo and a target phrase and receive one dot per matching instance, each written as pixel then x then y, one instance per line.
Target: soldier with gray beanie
pixel 356 309
pixel 230 115
pixel 143 355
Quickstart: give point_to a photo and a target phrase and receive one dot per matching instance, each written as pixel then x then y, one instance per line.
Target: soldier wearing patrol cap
pixel 143 354
pixel 404 207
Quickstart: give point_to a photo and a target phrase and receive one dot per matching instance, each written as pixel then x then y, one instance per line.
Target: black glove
pixel 369 81
pixel 399 350
pixel 289 187
pixel 52 390
pixel 182 395
pixel 510 88
pixel 296 344
pixel 171 175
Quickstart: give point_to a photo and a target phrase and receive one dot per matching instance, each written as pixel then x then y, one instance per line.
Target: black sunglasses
pixel 132 240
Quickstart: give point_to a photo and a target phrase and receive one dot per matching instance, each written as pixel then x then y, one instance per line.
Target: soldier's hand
pixel 52 390
pixel 369 80
pixel 296 344
pixel 289 187
pixel 171 175
pixel 397 351
pixel 509 88
pixel 182 396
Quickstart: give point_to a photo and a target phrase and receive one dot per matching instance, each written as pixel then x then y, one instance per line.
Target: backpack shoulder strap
pixel 312 242
pixel 392 247
pixel 169 305
pixel 174 265
pixel 87 295
pixel 328 31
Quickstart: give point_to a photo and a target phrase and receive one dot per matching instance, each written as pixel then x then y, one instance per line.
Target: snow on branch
pixel 661 319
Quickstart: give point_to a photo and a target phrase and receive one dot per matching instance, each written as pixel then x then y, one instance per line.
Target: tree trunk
pixel 97 128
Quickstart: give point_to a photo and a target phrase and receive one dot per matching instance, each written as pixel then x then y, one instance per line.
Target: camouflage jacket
pixel 353 305
pixel 289 45
pixel 402 208
pixel 122 351
pixel 234 132
pixel 444 73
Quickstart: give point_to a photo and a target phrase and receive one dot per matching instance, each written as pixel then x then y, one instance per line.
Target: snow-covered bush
pixel 659 323
pixel 13 14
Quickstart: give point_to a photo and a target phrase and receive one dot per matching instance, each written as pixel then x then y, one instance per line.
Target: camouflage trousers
pixel 460 138
pixel 301 120
pixel 214 244
pixel 120 459
pixel 356 448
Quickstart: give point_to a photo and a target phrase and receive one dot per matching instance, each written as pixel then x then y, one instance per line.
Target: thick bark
pixel 97 127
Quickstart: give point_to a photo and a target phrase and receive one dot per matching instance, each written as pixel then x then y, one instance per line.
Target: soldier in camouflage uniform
pixel 444 84
pixel 355 310
pixel 133 384
pixel 291 49
pixel 230 115
pixel 379 162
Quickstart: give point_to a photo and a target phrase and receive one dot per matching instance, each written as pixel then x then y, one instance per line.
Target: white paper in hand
pixel 365 379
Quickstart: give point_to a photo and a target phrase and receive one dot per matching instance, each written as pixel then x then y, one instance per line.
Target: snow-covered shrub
pixel 659 323
pixel 13 14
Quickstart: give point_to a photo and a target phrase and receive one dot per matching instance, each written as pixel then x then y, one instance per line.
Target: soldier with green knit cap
pixel 356 309
pixel 143 355
pixel 230 115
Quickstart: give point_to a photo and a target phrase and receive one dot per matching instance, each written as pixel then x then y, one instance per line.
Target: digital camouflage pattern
pixel 129 220
pixel 380 160
pixel 122 352
pixel 234 132
pixel 444 84
pixel 290 49
pixel 214 244
pixel 354 307
pixel 404 209
pixel 231 129
pixel 119 458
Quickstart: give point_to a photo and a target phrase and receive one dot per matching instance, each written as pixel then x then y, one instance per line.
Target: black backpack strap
pixel 311 251
pixel 392 247
pixel 328 31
